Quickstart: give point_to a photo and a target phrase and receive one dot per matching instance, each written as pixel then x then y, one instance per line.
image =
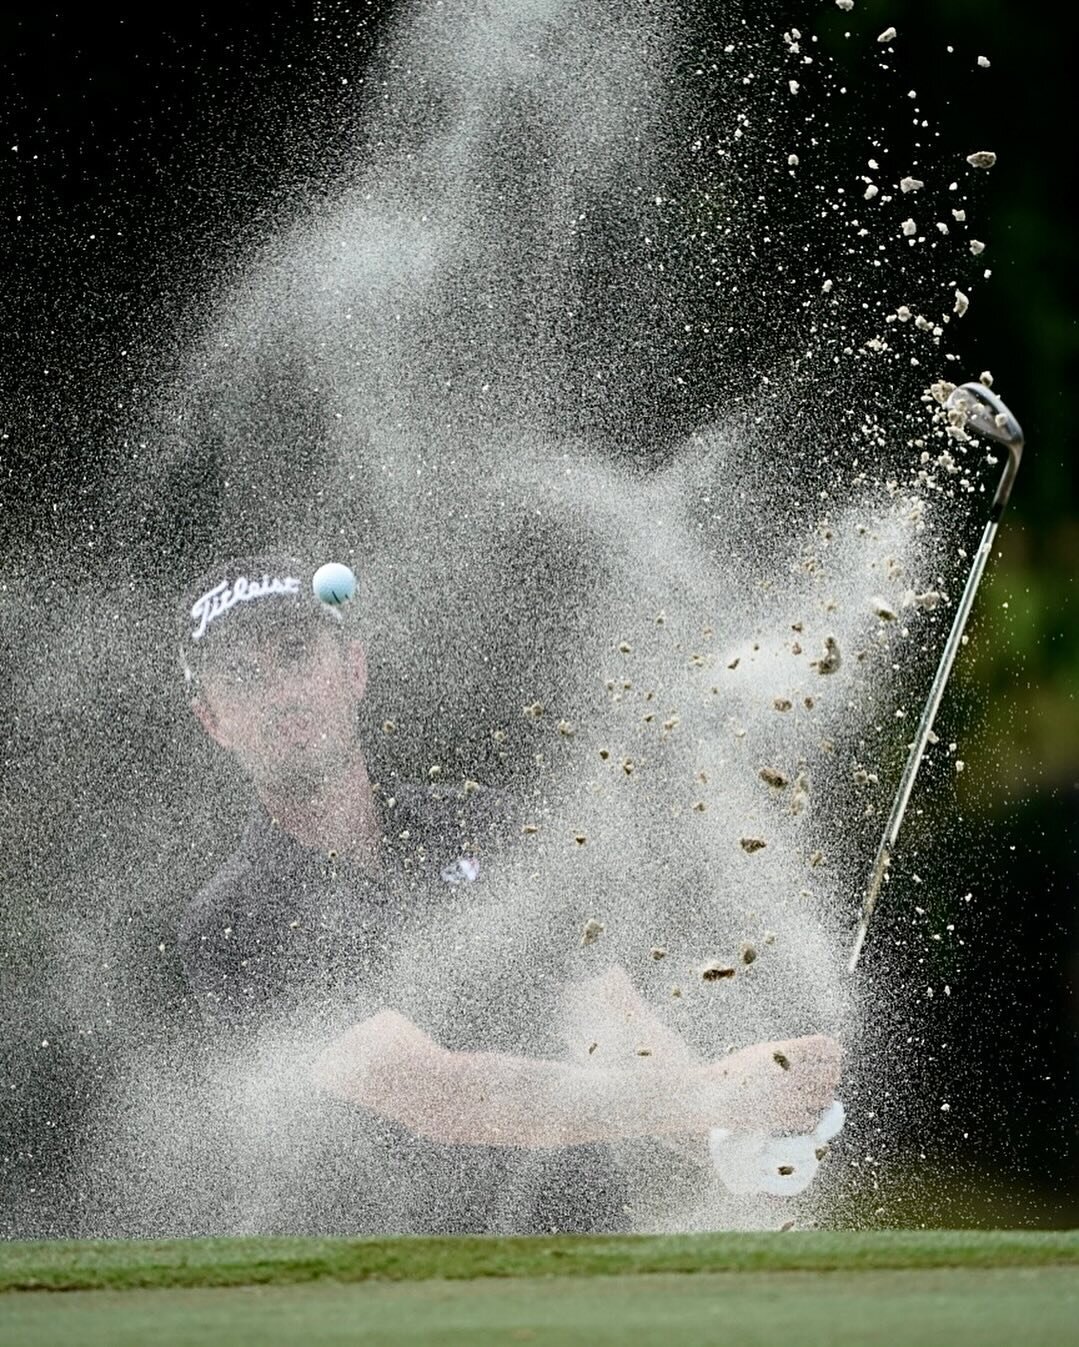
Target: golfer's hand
pixel 781 1088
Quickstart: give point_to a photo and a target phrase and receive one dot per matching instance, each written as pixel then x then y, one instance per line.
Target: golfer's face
pixel 285 704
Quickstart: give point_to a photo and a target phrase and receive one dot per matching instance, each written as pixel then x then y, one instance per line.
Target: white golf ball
pixel 334 583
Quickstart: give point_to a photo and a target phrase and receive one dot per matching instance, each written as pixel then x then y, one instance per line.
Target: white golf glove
pixel 753 1162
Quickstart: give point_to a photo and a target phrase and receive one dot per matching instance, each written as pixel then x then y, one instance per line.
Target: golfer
pixel 296 933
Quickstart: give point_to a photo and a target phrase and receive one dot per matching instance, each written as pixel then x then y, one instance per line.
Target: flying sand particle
pixel 831 660
pixel 982 159
pixel 781 1061
pixel 887 36
pixel 751 844
pixel 716 972
pixel 773 777
pixel 593 929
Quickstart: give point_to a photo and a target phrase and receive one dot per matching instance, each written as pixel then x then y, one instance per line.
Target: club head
pixel 984 412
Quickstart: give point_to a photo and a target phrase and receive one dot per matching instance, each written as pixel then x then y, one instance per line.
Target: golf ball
pixel 334 583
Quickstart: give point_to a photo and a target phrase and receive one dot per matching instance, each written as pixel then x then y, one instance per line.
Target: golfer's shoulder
pixel 214 910
pixel 257 869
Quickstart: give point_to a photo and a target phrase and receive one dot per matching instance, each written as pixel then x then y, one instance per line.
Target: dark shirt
pixel 284 933
pixel 288 941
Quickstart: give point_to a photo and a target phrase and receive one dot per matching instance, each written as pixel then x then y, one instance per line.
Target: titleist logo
pixel 224 596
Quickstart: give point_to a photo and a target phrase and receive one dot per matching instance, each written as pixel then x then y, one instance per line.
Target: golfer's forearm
pixel 389 1066
pixel 493 1099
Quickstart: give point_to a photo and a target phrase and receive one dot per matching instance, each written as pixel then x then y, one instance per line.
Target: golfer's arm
pixel 495 1099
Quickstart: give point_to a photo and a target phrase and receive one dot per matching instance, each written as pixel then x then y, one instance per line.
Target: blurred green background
pixel 1015 702
pixel 1013 817
pixel 131 128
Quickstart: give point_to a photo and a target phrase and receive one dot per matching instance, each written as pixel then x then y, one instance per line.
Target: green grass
pixel 127 1264
pixel 807 1289
pixel 979 1307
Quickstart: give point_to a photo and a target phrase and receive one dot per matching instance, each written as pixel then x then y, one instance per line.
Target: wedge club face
pixel 984 412
pixel 975 407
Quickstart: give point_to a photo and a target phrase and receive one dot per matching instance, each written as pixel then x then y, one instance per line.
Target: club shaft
pixel 925 726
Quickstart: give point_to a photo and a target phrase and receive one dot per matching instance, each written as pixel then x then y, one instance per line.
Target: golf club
pixel 971 405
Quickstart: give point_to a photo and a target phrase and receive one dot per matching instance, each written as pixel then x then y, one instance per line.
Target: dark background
pixel 144 138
